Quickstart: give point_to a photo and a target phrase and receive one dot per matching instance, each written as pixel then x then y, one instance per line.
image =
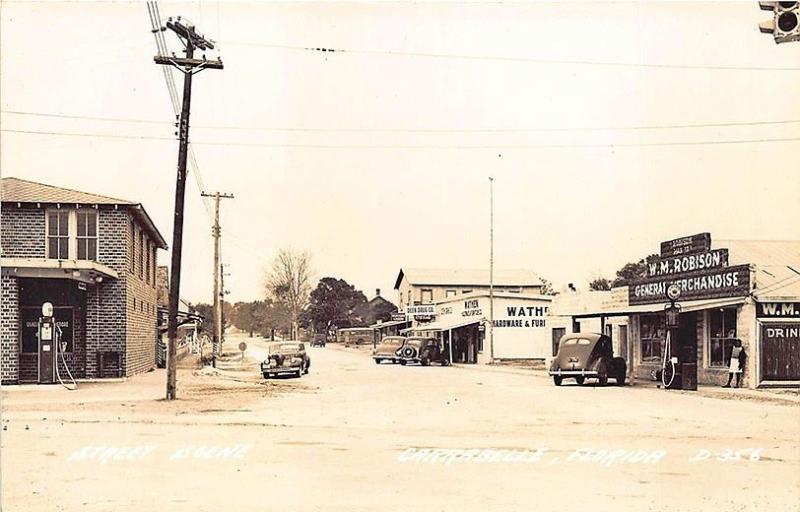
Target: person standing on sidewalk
pixel 736 366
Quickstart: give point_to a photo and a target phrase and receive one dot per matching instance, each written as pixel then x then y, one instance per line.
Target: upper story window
pixel 426 296
pixel 87 235
pixel 132 247
pixel 141 254
pixel 450 293
pixel 58 234
pixel 71 234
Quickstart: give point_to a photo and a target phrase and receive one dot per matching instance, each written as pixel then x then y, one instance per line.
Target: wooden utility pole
pixel 188 66
pixel 216 233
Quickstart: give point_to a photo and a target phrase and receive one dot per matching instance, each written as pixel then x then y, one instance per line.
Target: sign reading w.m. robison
pixel 699 271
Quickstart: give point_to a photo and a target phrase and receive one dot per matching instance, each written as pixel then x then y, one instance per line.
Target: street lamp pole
pixel 491 269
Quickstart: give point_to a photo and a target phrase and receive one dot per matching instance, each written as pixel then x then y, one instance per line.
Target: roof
pixel 761 252
pixel 16 190
pixel 467 277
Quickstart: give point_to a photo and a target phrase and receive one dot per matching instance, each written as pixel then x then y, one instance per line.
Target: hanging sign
pixel 693 244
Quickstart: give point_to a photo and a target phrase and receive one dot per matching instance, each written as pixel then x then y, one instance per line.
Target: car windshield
pixel 417 342
pixel 285 348
pixel 392 342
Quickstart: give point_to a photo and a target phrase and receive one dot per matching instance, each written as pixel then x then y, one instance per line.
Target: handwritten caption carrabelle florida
pixel 600 457
pixel 112 454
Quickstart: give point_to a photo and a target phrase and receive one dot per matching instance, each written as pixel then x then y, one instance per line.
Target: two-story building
pixel 428 286
pixel 94 258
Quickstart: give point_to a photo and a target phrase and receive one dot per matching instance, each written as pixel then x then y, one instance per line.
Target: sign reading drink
pixel 694 244
pixel 699 272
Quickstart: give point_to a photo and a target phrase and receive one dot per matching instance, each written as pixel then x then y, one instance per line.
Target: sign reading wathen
pixel 687 245
pixel 717 258
pixel 702 284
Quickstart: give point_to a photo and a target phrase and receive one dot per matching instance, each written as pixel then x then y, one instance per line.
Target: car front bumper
pixel 280 369
pixel 573 373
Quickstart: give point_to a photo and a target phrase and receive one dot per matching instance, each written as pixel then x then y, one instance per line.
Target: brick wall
pixel 22 232
pixel 9 328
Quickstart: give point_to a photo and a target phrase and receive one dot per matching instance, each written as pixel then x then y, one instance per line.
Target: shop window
pixel 558 333
pixel 87 235
pixel 426 296
pixel 58 235
pixel 652 331
pixel 722 323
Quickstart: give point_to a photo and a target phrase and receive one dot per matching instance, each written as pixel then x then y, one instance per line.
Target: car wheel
pixel 266 375
pixel 300 372
pixel 445 362
pixel 378 361
pixel 425 361
pixel 557 380
pixel 580 380
pixel 602 374
pixel 621 378
pixel 402 362
pixel 308 367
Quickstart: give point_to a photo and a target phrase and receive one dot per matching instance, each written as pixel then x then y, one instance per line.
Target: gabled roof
pixel 467 277
pixel 16 190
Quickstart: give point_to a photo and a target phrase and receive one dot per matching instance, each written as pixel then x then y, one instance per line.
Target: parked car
pixel 587 355
pixel 319 340
pixel 286 357
pixel 423 351
pixel 389 349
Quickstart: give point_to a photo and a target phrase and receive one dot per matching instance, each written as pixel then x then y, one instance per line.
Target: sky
pixel 377 156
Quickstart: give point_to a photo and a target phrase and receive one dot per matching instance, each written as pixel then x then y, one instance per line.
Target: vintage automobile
pixel 423 351
pixel 587 355
pixel 389 349
pixel 319 340
pixel 286 357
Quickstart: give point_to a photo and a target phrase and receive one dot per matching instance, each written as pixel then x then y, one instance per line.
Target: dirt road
pixel 351 434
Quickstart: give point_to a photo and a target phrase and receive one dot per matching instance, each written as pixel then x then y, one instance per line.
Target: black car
pixel 587 355
pixel 423 351
pixel 286 357
pixel 319 340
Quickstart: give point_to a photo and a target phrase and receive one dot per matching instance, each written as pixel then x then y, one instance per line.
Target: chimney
pixel 377 292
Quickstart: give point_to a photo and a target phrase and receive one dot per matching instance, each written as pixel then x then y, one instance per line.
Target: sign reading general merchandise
pixel 695 269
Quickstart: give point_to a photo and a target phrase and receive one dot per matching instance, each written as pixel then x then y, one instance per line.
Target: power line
pixel 418 130
pixel 417 146
pixel 402 53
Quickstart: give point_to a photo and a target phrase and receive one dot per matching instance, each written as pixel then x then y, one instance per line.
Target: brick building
pixel 94 258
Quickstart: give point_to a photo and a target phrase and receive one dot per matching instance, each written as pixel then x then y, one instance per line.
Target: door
pixel 780 351
pixel 46 353
pixel 623 345
pixel 558 333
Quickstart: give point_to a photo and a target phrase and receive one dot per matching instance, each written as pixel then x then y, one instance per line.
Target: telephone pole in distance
pixel 216 233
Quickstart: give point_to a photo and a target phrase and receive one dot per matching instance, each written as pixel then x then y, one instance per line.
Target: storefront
pixel 729 291
pixel 462 325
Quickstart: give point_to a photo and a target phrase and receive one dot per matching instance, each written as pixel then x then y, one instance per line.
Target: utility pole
pixel 216 233
pixel 188 66
pixel 491 269
pixel 222 293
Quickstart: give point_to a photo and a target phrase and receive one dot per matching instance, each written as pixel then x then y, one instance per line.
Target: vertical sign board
pixel 780 340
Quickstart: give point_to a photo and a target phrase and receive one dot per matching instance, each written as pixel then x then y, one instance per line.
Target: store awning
pixel 389 324
pixel 85 271
pixel 686 307
pixel 442 326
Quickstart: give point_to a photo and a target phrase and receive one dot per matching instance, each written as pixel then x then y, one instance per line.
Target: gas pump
pixel 51 347
pixel 670 375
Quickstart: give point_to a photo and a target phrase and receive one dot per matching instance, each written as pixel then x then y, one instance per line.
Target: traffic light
pixel 785 24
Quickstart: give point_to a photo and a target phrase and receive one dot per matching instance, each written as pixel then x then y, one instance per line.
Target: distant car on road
pixel 319 340
pixel 587 355
pixel 286 357
pixel 423 351
pixel 389 349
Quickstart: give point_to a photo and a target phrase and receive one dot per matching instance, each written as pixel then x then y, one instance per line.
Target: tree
pixel 333 302
pixel 547 288
pixel 207 312
pixel 600 284
pixel 288 284
pixel 252 317
pixel 631 272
